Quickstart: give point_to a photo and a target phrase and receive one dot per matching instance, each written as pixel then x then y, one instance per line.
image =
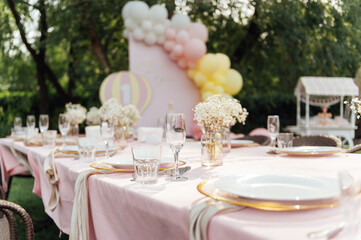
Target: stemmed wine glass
pixel 176 136
pixel 43 122
pixel 107 132
pixel 30 122
pixel 273 127
pixel 64 126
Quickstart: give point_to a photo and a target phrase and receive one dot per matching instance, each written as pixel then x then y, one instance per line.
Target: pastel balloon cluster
pixel 146 24
pixel 185 42
pixel 214 75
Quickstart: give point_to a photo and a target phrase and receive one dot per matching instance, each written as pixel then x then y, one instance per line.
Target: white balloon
pixel 150 38
pixel 138 34
pixel 126 10
pixel 160 40
pixel 130 24
pixel 147 25
pixel 180 21
pixel 158 13
pixel 139 11
pixel 125 33
pixel 159 29
pixel 167 23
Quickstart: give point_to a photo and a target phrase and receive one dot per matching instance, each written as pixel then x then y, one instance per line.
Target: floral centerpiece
pixel 93 116
pixel 76 114
pixel 355 106
pixel 123 117
pixel 213 114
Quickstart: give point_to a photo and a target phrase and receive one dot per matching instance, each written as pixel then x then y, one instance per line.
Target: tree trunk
pixel 44 96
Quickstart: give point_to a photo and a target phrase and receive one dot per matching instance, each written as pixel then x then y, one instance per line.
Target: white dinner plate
pixel 123 162
pixel 241 143
pixel 279 187
pixel 73 149
pixel 310 150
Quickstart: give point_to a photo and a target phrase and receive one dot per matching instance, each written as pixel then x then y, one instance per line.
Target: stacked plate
pixel 274 192
pixel 311 151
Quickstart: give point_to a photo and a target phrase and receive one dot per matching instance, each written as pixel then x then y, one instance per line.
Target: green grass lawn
pixel 21 193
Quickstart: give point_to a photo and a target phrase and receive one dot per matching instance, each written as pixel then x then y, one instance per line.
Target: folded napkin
pixel 50 171
pixel 201 214
pixel 21 159
pixel 79 228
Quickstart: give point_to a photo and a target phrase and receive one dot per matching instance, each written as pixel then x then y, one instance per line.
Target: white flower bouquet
pixel 355 106
pixel 76 113
pixel 93 116
pixel 217 111
pixel 121 115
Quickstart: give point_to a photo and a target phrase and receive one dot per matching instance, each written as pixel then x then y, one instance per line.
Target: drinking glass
pixel 17 124
pixel 107 132
pixel 285 140
pixel 146 160
pixel 273 127
pixel 86 148
pixel 30 122
pixel 64 125
pixel 176 136
pixel 43 122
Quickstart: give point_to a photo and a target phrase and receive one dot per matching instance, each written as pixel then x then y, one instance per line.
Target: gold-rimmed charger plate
pixel 102 166
pixel 68 150
pixel 311 151
pixel 208 189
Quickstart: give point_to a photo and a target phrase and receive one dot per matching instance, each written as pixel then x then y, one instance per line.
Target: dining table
pixel 120 208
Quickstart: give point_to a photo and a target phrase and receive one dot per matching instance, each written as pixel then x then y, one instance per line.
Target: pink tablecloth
pixel 121 209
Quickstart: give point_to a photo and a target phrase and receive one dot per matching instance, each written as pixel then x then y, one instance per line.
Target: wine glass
pixel 107 132
pixel 30 122
pixel 17 123
pixel 176 136
pixel 43 122
pixel 273 127
pixel 64 126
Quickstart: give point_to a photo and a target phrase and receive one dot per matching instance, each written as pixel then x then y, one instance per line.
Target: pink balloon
pixel 194 49
pixel 182 63
pixel 198 30
pixel 173 56
pixel 192 64
pixel 182 36
pixel 168 46
pixel 178 50
pixel 170 34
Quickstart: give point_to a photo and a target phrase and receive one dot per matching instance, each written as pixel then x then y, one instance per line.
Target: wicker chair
pixel 260 139
pixel 8 226
pixel 317 140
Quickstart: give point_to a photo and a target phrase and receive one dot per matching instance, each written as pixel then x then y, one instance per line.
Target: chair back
pixel 317 140
pixel 8 226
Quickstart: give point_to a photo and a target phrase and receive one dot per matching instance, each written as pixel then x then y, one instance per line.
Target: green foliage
pixel 270 42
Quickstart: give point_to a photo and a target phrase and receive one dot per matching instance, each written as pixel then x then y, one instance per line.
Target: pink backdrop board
pixel 168 83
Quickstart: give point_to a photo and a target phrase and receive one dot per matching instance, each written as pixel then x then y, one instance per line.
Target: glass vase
pixel 212 148
pixel 73 130
pixel 120 136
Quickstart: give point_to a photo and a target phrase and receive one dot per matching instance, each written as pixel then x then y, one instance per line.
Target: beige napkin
pixel 79 227
pixel 50 171
pixel 201 214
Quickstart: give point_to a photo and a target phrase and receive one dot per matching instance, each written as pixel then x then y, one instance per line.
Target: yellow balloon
pixel 218 89
pixel 208 64
pixel 219 78
pixel 225 95
pixel 234 82
pixel 191 73
pixel 206 94
pixel 200 79
pixel 224 63
pixel 208 86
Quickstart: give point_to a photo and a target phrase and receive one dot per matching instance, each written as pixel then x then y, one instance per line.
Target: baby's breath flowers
pixel 93 116
pixel 217 111
pixel 355 106
pixel 76 113
pixel 122 115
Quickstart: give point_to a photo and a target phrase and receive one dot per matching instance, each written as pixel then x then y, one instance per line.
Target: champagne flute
pixel 30 122
pixel 176 136
pixel 107 132
pixel 43 122
pixel 64 126
pixel 273 127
